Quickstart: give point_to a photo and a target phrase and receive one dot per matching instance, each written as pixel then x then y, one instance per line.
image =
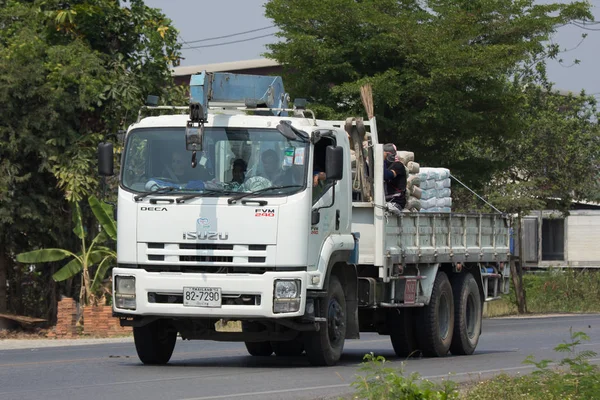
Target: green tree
pixel 439 69
pixel 70 73
pixel 553 162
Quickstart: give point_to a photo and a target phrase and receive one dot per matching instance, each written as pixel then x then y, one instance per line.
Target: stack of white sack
pixel 413 191
pixel 436 195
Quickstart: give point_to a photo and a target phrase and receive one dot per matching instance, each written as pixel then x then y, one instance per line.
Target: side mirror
pixel 105 159
pixel 334 163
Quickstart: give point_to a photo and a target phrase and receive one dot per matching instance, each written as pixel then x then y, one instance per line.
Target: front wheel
pixel 435 322
pixel 468 312
pixel 257 349
pixel 325 346
pixel 155 342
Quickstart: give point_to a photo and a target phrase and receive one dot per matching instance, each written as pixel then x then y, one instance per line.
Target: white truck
pixel 256 233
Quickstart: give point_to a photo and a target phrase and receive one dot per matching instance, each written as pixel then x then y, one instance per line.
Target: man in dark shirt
pixel 394 176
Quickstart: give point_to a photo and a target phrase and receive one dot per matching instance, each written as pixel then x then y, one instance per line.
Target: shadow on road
pixel 351 358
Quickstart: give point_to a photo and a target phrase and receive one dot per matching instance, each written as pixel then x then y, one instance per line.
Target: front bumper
pixel 149 285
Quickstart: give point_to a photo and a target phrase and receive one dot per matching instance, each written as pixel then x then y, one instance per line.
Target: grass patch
pixel 574 377
pixel 382 383
pixel 553 291
pixel 563 290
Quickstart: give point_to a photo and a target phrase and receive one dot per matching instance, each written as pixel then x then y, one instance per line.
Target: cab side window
pixel 318 168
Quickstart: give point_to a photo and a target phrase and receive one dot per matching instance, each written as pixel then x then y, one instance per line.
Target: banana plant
pixel 94 254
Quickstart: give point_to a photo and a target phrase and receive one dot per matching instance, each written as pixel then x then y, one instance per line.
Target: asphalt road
pixel 216 370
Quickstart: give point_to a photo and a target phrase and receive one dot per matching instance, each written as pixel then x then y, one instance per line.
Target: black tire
pixel 257 349
pixel 325 347
pixel 402 332
pixel 289 348
pixel 468 311
pixel 435 322
pixel 155 342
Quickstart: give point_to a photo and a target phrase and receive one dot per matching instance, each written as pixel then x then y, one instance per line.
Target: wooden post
pixel 516 272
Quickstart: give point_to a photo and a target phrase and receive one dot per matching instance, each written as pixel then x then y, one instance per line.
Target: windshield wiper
pixel 204 192
pixel 248 194
pixel 161 190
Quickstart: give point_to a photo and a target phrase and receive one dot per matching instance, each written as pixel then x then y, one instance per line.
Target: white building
pixel 553 240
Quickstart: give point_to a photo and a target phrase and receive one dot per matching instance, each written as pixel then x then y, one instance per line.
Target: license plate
pixel 410 291
pixel 202 296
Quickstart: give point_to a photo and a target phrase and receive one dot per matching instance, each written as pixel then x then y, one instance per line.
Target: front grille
pixel 215 259
pixel 205 246
pixel 257 259
pixel 206 254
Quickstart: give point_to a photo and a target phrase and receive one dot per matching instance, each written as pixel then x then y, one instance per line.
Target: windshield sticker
pixel 299 156
pixel 288 160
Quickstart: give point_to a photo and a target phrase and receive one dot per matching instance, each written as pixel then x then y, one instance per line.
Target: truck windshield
pixel 233 160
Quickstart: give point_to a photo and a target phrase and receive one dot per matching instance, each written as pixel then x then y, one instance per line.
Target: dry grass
pixel 23 334
pixel 499 308
pixel 231 326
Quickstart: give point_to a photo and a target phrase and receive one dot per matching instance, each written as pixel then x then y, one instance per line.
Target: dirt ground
pixel 36 333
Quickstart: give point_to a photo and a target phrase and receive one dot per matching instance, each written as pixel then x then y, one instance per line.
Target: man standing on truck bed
pixel 394 175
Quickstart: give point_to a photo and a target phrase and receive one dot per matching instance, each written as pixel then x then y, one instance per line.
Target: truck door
pixel 323 203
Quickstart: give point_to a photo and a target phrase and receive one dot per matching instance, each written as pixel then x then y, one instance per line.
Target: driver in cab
pixel 178 172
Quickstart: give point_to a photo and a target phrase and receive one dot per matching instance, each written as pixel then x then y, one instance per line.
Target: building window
pixel 553 239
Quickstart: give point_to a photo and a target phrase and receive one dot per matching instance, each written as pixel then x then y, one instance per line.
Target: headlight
pixel 125 285
pixel 125 292
pixel 288 289
pixel 286 296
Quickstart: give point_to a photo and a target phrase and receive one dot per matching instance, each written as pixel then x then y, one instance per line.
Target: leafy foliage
pixel 382 383
pixel 440 70
pixel 87 257
pixel 573 377
pixel 70 73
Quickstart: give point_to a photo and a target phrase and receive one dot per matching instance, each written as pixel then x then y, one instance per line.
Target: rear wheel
pixel 289 348
pixel 435 322
pixel 468 312
pixel 402 331
pixel 155 342
pixel 257 349
pixel 325 346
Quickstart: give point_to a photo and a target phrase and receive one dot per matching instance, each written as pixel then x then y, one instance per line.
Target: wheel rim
pixel 335 321
pixel 444 317
pixel 471 316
